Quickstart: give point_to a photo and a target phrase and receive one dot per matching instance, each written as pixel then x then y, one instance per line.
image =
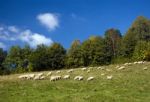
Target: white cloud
pixel 49 20
pixel 13 29
pixel 34 39
pixel 11 33
pixel 2 45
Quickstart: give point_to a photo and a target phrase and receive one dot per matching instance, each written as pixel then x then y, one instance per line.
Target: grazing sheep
pixel 84 69
pixel 42 77
pixel 102 74
pixel 78 78
pixel 70 71
pixel 58 71
pixel 122 67
pixel 145 68
pixel 23 77
pixel 90 78
pixel 30 76
pixel 49 73
pixel 99 67
pixel 117 66
pixel 88 71
pixel 54 78
pixel 38 76
pixel 66 77
pixel 109 77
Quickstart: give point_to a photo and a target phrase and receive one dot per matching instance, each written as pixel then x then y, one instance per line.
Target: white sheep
pixel 66 77
pixel 90 78
pixel 84 69
pixel 23 77
pixel 109 77
pixel 54 78
pixel 102 74
pixel 78 78
pixel 30 76
pixel 99 67
pixel 88 71
pixel 49 73
pixel 42 77
pixel 122 67
pixel 58 71
pixel 38 76
pixel 145 68
pixel 70 71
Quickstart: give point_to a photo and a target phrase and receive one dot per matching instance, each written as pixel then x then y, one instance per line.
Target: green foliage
pixel 74 55
pixel 113 40
pixel 93 51
pixel 142 50
pixel 56 56
pixel 140 30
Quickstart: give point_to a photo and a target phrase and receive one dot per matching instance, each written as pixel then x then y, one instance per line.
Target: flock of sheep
pixel 52 77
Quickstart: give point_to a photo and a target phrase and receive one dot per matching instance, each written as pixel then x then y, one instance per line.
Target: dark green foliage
pixel 93 51
pixel 74 55
pixel 140 30
pixel 3 55
pixel 38 58
pixel 112 42
pixel 48 58
pixel 56 56
pixel 142 50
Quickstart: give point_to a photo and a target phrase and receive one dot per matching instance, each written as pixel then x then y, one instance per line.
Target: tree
pixel 74 55
pixel 3 55
pixel 56 56
pixel 93 51
pixel 14 59
pixel 38 58
pixel 113 42
pixel 142 51
pixel 140 30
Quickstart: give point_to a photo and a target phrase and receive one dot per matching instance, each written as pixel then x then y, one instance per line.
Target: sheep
pixel 84 69
pixel 49 73
pixel 66 77
pixel 109 77
pixel 88 71
pixel 30 76
pixel 38 76
pixel 145 68
pixel 23 77
pixel 98 67
pixel 70 71
pixel 58 71
pixel 54 78
pixel 117 66
pixel 102 74
pixel 42 77
pixel 78 78
pixel 90 78
pixel 122 67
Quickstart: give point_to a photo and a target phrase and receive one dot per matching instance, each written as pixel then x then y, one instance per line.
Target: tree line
pixel 113 47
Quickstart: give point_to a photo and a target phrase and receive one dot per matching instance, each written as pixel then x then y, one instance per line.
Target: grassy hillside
pixel 131 84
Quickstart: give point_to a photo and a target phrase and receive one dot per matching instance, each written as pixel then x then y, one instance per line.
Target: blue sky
pixel 46 21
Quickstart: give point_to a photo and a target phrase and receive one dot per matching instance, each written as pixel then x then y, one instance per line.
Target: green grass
pixel 129 85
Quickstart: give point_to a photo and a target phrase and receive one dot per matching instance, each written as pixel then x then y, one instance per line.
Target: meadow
pixel 131 84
